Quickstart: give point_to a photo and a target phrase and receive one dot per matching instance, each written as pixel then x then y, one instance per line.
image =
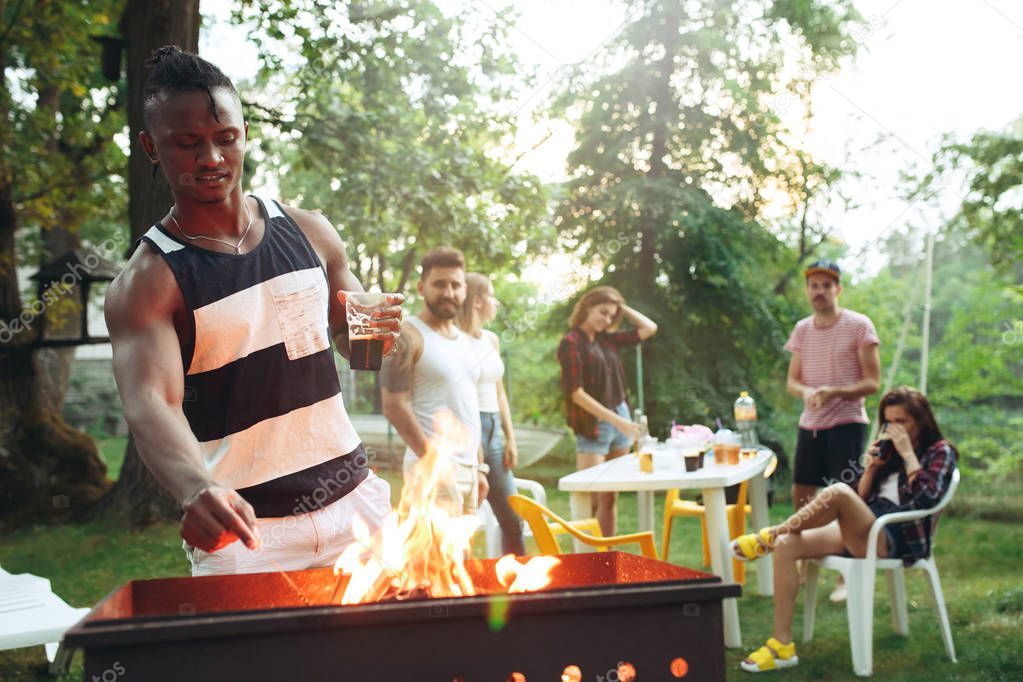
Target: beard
pixel 443 308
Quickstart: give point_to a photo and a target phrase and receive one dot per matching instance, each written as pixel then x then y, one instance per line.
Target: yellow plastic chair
pixel 673 506
pixel 491 531
pixel 536 515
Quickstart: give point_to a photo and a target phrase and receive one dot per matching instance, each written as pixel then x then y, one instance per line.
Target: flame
pixel 533 575
pixel 421 548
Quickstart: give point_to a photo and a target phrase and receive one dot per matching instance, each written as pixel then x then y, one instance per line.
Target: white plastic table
pixel 622 474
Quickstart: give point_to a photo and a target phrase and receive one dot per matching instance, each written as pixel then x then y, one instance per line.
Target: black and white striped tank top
pixel 261 389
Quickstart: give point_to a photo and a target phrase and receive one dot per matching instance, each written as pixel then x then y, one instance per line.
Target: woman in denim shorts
pixel 593 384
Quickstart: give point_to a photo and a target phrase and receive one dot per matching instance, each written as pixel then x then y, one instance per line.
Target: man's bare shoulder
pixel 318 230
pixel 143 290
pixel 494 339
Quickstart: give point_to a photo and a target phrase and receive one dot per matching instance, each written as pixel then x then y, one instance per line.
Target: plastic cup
pixel 367 349
pixel 692 461
pixel 646 462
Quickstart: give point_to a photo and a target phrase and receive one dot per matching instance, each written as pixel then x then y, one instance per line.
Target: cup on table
pixel 748 453
pixel 691 459
pixel 646 462
pixel 367 348
pixel 732 453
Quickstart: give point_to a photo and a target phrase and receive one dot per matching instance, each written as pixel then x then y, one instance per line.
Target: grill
pixel 609 614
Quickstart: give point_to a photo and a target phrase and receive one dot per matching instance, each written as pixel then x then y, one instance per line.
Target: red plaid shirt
pixel 923 492
pixel 579 358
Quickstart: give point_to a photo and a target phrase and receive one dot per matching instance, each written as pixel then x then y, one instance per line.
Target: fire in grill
pixel 612 615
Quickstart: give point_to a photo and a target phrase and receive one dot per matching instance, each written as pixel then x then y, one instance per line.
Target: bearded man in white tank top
pixel 434 372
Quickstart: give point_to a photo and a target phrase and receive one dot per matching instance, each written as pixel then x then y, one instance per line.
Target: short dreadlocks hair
pixel 173 70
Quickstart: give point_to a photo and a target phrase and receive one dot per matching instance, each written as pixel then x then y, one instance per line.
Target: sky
pixel 925 68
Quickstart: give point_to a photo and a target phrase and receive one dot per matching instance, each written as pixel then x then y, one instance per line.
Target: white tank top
pixel 445 377
pixel 491 371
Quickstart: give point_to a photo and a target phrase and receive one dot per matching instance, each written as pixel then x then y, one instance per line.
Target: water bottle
pixel 746 420
pixel 641 421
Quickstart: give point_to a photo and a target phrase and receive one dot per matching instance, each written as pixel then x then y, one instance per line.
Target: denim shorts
pixel 893 532
pixel 609 439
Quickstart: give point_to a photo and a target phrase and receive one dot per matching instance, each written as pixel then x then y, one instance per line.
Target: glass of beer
pixel 366 348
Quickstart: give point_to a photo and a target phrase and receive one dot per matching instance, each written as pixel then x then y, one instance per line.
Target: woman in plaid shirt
pixel 908 467
pixel 593 384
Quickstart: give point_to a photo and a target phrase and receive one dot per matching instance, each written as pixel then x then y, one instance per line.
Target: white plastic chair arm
pixel 898 517
pixel 894 517
pixel 534 488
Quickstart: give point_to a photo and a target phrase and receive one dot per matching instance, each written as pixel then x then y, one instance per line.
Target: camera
pixel 886 448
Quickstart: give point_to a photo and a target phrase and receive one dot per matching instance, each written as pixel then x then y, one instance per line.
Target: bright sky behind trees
pixel 925 68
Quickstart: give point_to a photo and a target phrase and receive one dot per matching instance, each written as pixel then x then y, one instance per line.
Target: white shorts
pixel 294 543
pixel 458 491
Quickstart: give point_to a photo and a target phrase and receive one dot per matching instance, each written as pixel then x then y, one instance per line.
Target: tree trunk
pixel 665 113
pixel 147 25
pixel 59 237
pixel 48 471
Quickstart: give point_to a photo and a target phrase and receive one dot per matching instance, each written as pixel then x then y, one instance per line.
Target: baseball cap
pixel 824 267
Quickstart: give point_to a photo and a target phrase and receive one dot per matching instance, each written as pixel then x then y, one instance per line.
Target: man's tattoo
pixel 396 370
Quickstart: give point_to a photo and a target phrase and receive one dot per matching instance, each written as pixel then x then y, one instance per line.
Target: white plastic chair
pixel 859 577
pixel 491 528
pixel 31 614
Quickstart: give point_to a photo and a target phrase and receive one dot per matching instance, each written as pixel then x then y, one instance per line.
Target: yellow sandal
pixel 772 656
pixel 752 546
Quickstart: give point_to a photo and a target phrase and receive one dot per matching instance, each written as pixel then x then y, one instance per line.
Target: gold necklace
pixel 237 247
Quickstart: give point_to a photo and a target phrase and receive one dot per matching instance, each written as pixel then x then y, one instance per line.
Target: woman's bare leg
pixel 602 505
pixel 607 504
pixel 810 544
pixel 585 460
pixel 836 502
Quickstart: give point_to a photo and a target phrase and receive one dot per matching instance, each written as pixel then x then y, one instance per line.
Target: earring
pixel 156 167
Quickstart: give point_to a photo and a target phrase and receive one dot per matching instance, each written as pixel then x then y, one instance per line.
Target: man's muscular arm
pixel 396 384
pixel 139 309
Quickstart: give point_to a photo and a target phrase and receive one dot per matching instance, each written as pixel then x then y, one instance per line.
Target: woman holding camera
pixel 908 467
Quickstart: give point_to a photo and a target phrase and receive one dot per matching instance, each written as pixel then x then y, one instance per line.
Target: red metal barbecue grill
pixel 601 610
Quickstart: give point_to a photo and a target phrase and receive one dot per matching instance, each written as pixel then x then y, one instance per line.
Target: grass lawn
pixel 979 562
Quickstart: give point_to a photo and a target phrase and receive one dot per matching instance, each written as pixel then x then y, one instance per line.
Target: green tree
pixel 395 131
pixel 677 151
pixel 56 187
pixel 975 368
pixel 992 163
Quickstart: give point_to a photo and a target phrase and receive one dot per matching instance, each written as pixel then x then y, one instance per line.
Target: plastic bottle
pixel 746 420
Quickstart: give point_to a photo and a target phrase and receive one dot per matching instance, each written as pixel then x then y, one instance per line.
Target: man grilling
pixel 221 327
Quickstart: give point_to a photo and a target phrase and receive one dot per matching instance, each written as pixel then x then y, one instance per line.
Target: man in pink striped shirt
pixel 835 363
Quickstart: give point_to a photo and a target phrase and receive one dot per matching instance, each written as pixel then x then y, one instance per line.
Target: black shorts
pixel 824 456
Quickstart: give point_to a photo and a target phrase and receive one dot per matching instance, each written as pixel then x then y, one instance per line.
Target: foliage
pixel 992 163
pixel 975 367
pixel 396 131
pixel 677 151
pixel 66 168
